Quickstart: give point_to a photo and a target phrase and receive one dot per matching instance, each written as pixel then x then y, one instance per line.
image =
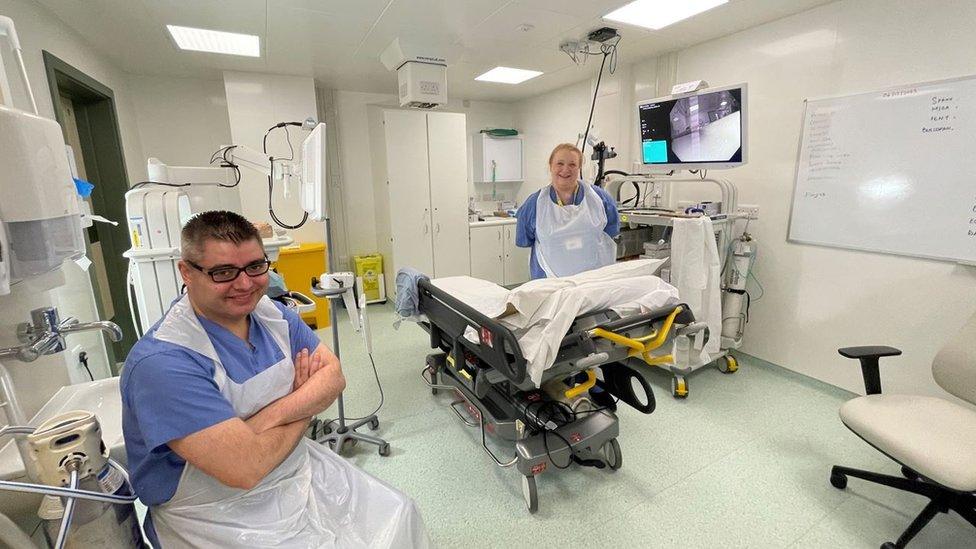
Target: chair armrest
pixel 869 357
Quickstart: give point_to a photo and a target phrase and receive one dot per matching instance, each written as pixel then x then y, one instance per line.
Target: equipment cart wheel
pixel 679 387
pixel 727 364
pixel 530 494
pixel 385 449
pixel 611 451
pixel 374 424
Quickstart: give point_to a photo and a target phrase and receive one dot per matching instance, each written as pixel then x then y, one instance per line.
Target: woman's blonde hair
pixel 566 147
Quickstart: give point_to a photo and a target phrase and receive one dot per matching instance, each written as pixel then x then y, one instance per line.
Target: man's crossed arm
pixel 239 453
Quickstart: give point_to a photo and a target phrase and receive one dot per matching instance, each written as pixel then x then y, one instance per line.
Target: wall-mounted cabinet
pixel 497 158
pixel 495 257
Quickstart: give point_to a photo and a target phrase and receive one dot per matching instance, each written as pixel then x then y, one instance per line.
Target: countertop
pixel 492 222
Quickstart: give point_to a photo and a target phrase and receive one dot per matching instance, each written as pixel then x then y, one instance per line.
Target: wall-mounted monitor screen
pixel 701 130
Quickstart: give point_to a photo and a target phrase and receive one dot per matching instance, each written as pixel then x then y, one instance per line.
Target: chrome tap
pixel 44 335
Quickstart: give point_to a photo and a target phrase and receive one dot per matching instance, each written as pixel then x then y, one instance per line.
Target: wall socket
pixel 751 211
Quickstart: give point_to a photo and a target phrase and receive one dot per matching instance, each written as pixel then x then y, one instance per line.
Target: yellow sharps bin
pixel 298 264
pixel 369 272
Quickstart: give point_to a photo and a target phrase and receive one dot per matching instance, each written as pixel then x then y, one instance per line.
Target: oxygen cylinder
pixel 733 300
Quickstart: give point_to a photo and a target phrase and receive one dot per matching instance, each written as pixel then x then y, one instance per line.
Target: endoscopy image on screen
pixel 700 128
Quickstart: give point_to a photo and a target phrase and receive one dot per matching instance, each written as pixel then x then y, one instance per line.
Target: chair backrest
pixel 954 368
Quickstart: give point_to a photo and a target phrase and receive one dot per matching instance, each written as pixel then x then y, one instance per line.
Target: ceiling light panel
pixel 211 41
pixel 657 14
pixel 508 75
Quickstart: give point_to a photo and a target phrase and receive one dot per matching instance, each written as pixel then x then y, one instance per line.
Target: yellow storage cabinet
pixel 298 264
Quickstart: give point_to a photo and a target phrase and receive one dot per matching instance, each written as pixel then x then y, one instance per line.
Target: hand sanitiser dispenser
pixel 39 214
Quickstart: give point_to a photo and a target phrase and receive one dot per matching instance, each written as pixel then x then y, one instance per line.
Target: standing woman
pixel 571 227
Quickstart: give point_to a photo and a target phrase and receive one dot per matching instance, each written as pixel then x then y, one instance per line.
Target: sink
pixel 101 397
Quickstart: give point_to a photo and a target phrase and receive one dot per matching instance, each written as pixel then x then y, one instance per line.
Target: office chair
pixel 934 440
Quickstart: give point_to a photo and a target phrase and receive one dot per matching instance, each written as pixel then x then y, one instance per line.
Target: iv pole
pixel 337 438
pixel 243 156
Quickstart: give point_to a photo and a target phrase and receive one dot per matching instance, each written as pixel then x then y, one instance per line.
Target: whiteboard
pixel 891 171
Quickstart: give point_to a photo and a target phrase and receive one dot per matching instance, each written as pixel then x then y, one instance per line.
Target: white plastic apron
pixel 570 239
pixel 314 498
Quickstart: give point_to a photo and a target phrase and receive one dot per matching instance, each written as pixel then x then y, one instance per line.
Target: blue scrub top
pixel 168 392
pixel 525 226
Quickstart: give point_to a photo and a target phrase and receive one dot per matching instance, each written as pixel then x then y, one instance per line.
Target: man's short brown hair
pixel 217 225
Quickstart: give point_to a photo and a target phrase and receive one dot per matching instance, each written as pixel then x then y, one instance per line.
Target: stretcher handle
pixel 583 387
pixel 640 346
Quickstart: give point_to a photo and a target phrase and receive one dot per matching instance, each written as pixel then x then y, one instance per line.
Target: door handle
pixel 438 229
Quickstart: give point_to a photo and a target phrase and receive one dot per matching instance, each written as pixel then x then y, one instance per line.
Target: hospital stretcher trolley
pixel 481 363
pixel 735 268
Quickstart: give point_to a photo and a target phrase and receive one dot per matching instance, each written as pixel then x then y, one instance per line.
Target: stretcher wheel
pixel 679 387
pixel 530 494
pixel 728 364
pixel 385 449
pixel 611 451
pixel 374 424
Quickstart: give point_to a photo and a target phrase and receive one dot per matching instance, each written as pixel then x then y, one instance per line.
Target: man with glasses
pixel 216 399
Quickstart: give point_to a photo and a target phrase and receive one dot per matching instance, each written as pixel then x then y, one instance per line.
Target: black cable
pixel 264 148
pixel 290 148
pixel 274 217
pixel 593 104
pixel 83 360
pixel 553 407
pixel 378 407
pixel 144 183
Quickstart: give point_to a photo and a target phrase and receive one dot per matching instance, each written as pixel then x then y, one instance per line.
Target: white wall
pixel 181 121
pixel 39 30
pixel 256 102
pixel 355 154
pixel 560 117
pixel 816 299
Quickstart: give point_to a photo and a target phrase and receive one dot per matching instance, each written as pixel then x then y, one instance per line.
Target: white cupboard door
pixel 448 161
pixel 516 259
pixel 411 224
pixel 506 153
pixel 487 251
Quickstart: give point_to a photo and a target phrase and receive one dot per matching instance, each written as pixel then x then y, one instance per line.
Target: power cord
pixel 325 424
pixel 83 360
pixel 564 412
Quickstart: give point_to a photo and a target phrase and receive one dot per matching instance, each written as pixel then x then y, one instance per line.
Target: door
pixel 409 191
pixel 448 161
pixel 487 251
pixel 516 260
pixel 92 113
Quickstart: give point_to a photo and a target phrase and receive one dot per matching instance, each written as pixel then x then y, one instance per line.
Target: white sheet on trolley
pixel 541 312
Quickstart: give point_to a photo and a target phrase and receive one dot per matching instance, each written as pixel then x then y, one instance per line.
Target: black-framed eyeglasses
pixel 230 273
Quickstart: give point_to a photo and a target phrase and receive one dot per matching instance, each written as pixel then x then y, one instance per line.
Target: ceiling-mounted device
pixel 421 74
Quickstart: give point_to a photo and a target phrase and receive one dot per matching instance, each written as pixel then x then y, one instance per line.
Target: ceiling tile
pixel 357 9
pixel 502 28
pixel 578 8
